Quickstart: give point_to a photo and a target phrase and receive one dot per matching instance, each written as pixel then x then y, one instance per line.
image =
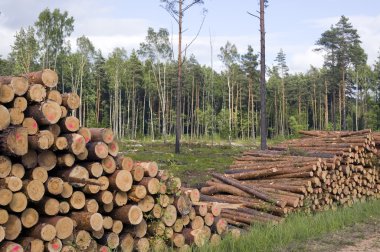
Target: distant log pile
pixel 66 188
pixel 320 171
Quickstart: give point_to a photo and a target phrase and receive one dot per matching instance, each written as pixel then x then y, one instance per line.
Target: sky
pixel 291 25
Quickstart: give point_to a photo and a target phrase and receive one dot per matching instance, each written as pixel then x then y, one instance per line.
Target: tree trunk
pixel 263 126
pixel 179 84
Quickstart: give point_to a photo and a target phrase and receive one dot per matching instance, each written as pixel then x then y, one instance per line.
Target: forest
pixel 135 92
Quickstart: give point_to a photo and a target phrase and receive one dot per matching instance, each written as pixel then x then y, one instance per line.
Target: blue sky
pixel 293 25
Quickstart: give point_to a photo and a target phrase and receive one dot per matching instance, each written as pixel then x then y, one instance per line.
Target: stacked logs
pixel 66 188
pixel 317 172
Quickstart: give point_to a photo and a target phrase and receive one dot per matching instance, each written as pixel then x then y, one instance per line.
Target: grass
pixel 299 228
pixel 193 164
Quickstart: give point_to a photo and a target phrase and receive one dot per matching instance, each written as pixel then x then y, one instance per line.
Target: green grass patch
pixel 193 164
pixel 298 228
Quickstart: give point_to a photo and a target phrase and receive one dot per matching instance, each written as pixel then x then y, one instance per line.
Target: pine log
pixel 19 84
pixel 121 180
pixel 117 227
pixel 150 168
pixel 17 170
pixel 47 159
pixel 128 214
pixel 147 204
pixel 70 100
pixel 169 216
pixel 124 162
pixel 76 175
pixel 104 197
pixel 197 223
pixel 113 148
pixel 43 140
pixel 20 103
pixel 87 221
pixel 18 202
pixel 137 172
pixel 16 116
pixel 95 169
pixel 251 190
pixel 47 77
pixel 110 239
pixel 54 185
pixel 13 227
pixel 6 93
pixel 65 160
pixel 5 197
pixel 4 216
pixel 196 237
pixel 82 156
pixel 64 207
pixel 219 226
pixel 156 228
pixel 182 204
pixel 64 226
pixel 69 124
pixel 137 192
pixel 48 112
pixel 54 95
pixel 142 244
pixel 139 230
pixel 64 112
pixel 82 240
pixel 126 242
pixel 48 206
pixel 102 134
pixel 109 165
pixel 36 93
pixel 86 133
pixel 193 194
pixel 151 184
pixel 33 189
pixel 8 246
pixel 105 183
pixel 14 141
pixel 76 142
pixel 31 125
pixel 91 206
pixel 5 166
pixel 29 160
pixel 33 244
pixel 60 143
pixel 54 245
pixel 77 200
pixel 97 150
pixel 29 217
pixel 120 198
pixel 5 116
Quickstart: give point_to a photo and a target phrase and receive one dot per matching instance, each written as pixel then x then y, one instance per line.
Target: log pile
pixel 66 188
pixel 320 171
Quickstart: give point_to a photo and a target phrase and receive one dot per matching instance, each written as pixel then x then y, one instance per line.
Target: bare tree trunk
pixel 343 93
pixel 326 107
pixel 262 79
pixel 178 105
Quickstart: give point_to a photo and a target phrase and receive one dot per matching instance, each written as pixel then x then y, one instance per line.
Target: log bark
pixel 5 116
pixel 36 93
pixel 46 113
pixel 47 77
pixel 129 214
pixel 102 134
pixel 70 101
pixel 14 141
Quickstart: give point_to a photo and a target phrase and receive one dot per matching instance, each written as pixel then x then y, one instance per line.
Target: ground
pixel 363 237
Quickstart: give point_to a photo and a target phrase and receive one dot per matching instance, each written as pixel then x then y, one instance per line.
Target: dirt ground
pixel 364 237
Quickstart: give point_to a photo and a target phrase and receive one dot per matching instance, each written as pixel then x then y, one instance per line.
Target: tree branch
pixel 253 15
pixel 199 30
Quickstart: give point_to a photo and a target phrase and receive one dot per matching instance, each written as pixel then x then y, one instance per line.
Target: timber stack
pixel 66 188
pixel 320 171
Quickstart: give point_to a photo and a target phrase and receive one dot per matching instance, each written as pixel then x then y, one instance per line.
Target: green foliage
pixel 24 50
